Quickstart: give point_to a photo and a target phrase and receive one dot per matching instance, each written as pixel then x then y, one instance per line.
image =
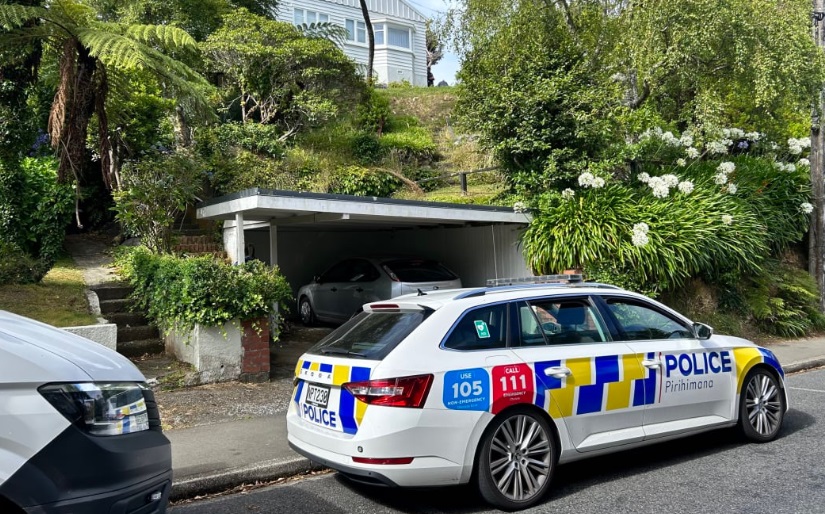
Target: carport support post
pixel 273 261
pixel 240 243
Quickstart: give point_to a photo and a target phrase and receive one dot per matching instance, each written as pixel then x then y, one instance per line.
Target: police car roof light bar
pixel 540 279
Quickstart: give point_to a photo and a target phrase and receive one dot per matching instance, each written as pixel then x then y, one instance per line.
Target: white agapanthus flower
pixel 753 136
pixel 586 179
pixel 671 140
pixel 686 187
pixel 804 162
pixel 670 179
pixel 720 178
pixel 642 227
pixel 726 167
pixel 774 146
pixel 726 132
pixel 732 189
pixel 794 146
pixel 643 177
pixel 519 207
pixel 727 219
pixel 805 142
pixel 568 194
pixel 736 133
pixel 659 187
pixel 598 183
pixel 717 148
pixel 639 239
pixel 681 162
pixel 779 165
pixel 686 139
pixel 692 152
pixel 806 207
pixel 790 168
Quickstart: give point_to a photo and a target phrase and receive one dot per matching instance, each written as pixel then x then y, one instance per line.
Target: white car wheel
pixel 762 406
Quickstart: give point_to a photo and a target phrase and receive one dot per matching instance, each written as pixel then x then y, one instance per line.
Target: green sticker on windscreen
pixel 482 330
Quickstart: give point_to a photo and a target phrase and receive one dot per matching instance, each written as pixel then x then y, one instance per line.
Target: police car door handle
pixel 652 363
pixel 557 372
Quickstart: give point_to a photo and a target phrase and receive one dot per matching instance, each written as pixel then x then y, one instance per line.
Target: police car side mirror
pixel 702 331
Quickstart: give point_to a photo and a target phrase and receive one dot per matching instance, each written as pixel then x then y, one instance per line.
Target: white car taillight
pixel 101 408
pixel 392 392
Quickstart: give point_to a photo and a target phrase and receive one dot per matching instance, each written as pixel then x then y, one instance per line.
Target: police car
pixel 499 385
pixel 79 429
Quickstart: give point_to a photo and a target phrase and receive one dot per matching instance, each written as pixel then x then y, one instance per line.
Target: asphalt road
pixel 709 473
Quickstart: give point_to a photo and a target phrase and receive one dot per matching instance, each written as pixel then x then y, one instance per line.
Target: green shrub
pixel 17 267
pixel 411 146
pixel 255 137
pixel 366 149
pixel 373 111
pixel 154 191
pixel 358 181
pixel 178 292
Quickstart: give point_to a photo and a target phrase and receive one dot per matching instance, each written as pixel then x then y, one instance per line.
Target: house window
pixel 398 37
pixel 378 29
pixel 304 16
pixel 356 31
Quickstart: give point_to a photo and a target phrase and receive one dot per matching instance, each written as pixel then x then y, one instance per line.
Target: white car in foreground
pixel 499 385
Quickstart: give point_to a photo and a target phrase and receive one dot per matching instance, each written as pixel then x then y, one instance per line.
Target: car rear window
pixel 418 270
pixel 370 335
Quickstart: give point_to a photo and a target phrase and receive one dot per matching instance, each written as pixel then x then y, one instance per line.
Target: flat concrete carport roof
pixel 287 212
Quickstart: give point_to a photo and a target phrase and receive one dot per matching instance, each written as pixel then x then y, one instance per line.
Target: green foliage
pixel 373 111
pixel 255 137
pixel 244 169
pixel 687 234
pixel 179 292
pixel 278 75
pixel 412 146
pixel 34 208
pixel 17 267
pixel 367 149
pixel 358 181
pixel 783 300
pixel 154 191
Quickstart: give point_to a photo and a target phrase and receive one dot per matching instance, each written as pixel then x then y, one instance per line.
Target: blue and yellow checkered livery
pixel 350 411
pixel 596 384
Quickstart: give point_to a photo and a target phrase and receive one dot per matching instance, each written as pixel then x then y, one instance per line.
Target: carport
pixel 305 233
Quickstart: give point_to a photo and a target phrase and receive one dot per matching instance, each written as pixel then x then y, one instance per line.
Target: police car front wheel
pixel 517 460
pixel 762 406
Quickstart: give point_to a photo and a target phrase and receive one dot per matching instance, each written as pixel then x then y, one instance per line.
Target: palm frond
pixel 14 16
pixel 324 30
pixel 162 35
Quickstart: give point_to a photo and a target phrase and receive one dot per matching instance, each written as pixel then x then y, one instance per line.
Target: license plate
pixel 317 395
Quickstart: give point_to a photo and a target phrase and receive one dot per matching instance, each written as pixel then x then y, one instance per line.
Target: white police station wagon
pixel 79 430
pixel 498 385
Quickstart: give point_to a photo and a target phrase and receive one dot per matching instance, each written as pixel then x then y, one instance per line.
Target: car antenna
pixel 421 293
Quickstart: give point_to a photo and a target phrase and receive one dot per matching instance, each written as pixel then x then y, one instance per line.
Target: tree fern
pixel 162 35
pixel 14 16
pixel 324 30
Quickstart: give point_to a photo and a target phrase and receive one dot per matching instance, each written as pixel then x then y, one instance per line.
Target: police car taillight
pixel 392 392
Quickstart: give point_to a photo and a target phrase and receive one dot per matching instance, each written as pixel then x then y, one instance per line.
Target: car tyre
pixel 516 460
pixel 306 312
pixel 761 406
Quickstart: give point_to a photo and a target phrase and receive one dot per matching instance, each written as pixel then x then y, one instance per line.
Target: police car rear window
pixel 370 335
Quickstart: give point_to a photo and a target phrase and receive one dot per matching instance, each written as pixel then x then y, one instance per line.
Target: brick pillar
pixel 255 360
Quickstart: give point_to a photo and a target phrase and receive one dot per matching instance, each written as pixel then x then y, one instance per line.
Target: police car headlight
pixel 101 408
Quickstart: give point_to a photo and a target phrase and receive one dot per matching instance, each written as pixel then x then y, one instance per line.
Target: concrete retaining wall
pixel 105 334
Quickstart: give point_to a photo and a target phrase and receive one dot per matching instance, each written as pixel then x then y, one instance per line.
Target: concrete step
pixel 110 306
pixel 112 292
pixel 127 319
pixel 128 334
pixel 133 349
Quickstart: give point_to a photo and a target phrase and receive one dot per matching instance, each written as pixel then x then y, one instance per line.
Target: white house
pixel 400 45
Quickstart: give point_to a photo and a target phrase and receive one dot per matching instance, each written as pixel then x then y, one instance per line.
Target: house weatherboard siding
pixel 391 63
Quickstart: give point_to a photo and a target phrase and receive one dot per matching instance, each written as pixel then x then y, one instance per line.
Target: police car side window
pixel 483 328
pixel 639 322
pixel 567 321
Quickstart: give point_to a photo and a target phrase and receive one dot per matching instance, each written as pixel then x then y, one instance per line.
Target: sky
pixel 448 65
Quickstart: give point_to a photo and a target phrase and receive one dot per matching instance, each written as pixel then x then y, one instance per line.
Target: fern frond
pixel 14 16
pixel 163 35
pixel 324 30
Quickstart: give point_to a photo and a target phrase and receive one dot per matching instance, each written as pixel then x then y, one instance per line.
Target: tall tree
pixel 370 39
pixel 90 55
pixel 435 51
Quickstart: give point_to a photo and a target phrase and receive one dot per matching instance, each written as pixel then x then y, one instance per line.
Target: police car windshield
pixel 370 335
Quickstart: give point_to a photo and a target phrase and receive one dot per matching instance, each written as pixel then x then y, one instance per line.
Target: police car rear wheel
pixel 306 312
pixel 516 461
pixel 762 406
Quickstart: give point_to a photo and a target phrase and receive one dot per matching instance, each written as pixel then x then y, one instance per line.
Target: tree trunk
pixel 816 233
pixel 370 39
